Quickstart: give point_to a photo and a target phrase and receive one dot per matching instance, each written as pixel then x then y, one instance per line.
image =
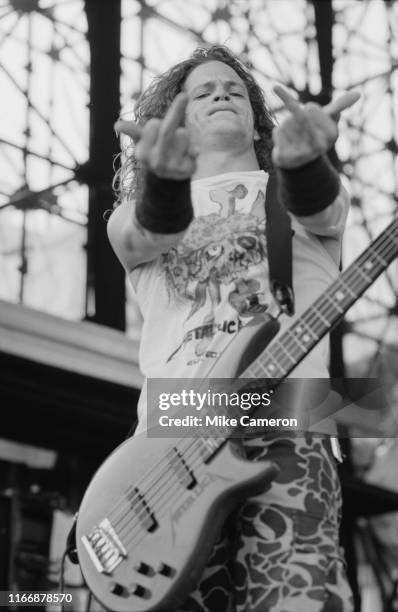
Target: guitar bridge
pixel 104 547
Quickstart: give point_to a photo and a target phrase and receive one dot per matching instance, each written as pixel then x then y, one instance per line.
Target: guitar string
pixel 193 444
pixel 206 445
pixel 145 478
pixel 226 431
pixel 288 338
pixel 164 501
pixel 158 514
pixel 357 278
pixel 177 480
pixel 196 453
pixel 328 304
pixel 168 495
pixel 339 285
pixel 202 445
pixel 331 308
pixel 133 532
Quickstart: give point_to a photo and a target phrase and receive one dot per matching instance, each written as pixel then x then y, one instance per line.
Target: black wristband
pixel 308 189
pixel 165 205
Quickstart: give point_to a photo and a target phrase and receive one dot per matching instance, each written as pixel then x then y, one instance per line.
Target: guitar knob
pixel 118 589
pixel 138 590
pixel 165 570
pixel 143 568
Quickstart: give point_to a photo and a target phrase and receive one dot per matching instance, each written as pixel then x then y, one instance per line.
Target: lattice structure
pixel 41 150
pixel 366 58
pixel 43 210
pixel 279 39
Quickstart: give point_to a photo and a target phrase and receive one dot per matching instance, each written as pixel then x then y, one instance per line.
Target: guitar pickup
pixel 142 510
pixel 181 469
pixel 104 547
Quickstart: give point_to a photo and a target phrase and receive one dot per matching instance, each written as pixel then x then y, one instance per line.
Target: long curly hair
pixel 156 99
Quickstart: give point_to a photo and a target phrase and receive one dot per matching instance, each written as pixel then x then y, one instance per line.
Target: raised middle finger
pixel 290 103
pixel 299 119
pixel 174 118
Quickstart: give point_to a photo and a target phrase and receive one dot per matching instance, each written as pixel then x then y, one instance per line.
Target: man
pixel 190 233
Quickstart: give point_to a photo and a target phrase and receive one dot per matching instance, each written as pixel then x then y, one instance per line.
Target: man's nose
pixel 221 95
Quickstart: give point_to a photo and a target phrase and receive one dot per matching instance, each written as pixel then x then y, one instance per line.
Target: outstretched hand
pixel 308 131
pixel 163 145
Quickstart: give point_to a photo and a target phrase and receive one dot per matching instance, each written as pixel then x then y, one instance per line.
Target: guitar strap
pixel 278 232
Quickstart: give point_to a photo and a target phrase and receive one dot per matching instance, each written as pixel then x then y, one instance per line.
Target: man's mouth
pixel 221 109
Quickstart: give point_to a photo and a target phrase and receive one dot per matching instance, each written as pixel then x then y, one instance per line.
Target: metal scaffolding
pixel 58 145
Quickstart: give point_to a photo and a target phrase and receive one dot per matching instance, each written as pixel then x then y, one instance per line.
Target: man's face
pixel 219 112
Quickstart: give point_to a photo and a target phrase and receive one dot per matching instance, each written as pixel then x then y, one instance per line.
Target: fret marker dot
pixel 369 265
pixel 306 337
pixel 298 330
pixel 340 295
pixel 271 367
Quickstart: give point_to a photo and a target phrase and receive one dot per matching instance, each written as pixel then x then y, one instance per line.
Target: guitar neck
pixel 285 352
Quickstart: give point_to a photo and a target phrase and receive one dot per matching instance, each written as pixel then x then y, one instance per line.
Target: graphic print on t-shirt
pixel 212 263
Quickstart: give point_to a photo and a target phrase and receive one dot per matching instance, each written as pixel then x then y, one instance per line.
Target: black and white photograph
pixel 198 305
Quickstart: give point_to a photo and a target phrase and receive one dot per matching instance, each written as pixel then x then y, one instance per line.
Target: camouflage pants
pixel 280 551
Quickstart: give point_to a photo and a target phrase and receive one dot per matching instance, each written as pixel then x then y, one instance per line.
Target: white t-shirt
pixel 198 295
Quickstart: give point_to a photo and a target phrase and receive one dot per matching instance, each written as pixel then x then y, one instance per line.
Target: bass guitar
pixel 152 512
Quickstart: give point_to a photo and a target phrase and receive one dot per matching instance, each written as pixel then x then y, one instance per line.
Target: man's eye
pixel 202 95
pixel 236 93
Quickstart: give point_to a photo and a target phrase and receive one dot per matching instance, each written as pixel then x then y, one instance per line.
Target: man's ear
pixel 256 135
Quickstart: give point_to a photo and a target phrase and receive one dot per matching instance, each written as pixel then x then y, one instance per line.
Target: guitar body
pixel 175 552
pixel 152 512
